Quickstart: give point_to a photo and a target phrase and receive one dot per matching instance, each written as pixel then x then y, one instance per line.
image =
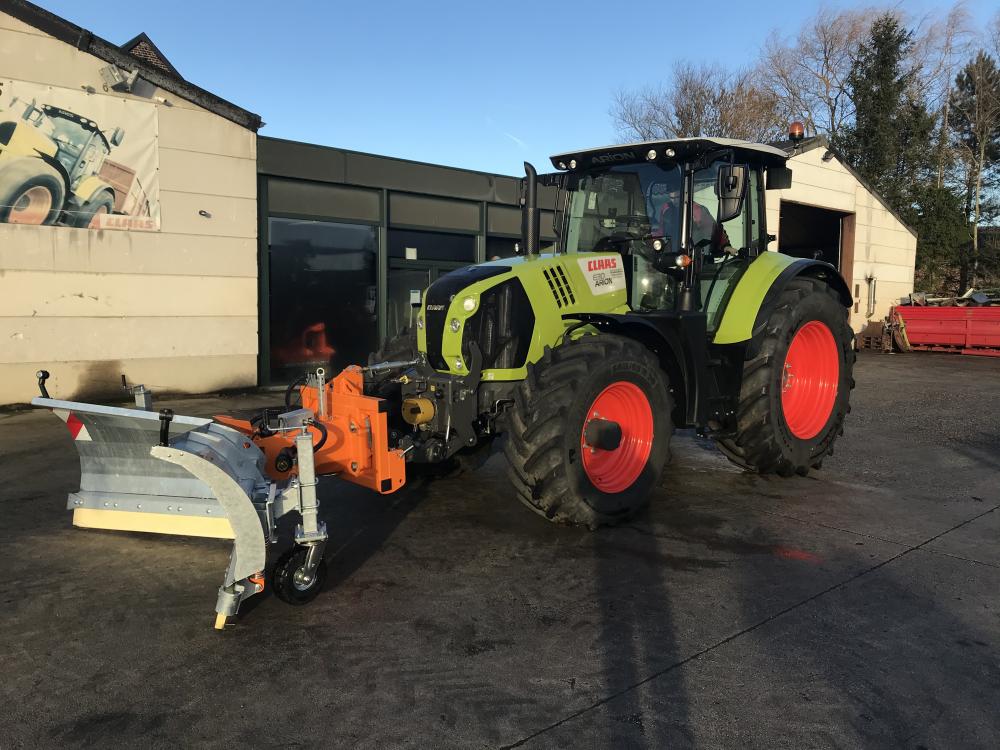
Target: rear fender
pixel 758 290
pixel 90 187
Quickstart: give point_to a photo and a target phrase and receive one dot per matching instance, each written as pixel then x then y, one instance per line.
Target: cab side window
pixel 723 248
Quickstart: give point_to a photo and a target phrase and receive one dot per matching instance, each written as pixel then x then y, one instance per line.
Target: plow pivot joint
pixel 165 416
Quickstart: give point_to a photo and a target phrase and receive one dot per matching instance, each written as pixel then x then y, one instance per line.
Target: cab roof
pixel 684 148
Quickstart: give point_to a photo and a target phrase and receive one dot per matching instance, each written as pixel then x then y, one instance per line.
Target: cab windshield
pixel 622 209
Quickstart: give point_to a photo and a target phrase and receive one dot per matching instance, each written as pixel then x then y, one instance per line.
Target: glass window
pixel 406 289
pixel 500 247
pixel 413 245
pixel 322 295
pixel 754 213
pixel 608 209
pixel 723 248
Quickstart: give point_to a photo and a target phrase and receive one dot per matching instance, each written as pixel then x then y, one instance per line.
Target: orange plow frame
pixel 357 443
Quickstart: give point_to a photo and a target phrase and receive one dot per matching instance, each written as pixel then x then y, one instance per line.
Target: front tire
pixel 31 192
pixel 589 432
pixel 796 389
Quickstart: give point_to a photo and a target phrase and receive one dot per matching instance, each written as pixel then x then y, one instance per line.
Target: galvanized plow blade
pixel 207 481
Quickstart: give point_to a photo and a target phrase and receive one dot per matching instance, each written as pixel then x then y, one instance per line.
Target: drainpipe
pixel 872 283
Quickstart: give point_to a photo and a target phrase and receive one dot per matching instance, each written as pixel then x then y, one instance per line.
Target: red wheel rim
pixel 616 470
pixel 809 380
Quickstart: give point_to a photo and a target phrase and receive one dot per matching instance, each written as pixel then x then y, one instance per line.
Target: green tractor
pixel 661 309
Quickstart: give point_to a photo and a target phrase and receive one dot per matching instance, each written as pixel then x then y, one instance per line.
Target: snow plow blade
pixel 173 474
pixel 123 487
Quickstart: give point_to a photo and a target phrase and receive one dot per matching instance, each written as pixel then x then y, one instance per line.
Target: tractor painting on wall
pixel 56 165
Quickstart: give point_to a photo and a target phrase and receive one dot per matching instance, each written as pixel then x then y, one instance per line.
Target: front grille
pixel 501 327
pixel 562 292
pixel 438 299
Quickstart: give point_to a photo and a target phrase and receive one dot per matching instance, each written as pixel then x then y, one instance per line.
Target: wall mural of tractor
pixel 55 168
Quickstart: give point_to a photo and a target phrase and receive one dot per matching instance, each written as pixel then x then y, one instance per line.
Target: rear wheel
pixel 589 432
pixel 89 215
pixel 796 389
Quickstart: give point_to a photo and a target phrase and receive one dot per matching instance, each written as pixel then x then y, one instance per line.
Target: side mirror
pixel 731 189
pixel 117 137
pixel 779 178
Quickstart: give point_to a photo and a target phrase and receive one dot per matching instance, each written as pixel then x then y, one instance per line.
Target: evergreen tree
pixel 943 238
pixel 889 143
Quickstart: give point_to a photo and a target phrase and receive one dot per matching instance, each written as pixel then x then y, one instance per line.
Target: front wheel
pixel 796 387
pixel 31 192
pixel 589 432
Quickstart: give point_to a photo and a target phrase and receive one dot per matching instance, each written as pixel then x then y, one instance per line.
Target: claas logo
pixel 601 264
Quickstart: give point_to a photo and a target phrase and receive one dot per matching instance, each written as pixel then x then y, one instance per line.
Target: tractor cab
pixel 686 215
pixel 82 147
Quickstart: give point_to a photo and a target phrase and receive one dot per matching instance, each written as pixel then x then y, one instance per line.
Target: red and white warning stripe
pixel 77 429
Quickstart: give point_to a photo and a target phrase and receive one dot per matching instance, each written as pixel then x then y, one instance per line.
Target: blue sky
pixel 477 85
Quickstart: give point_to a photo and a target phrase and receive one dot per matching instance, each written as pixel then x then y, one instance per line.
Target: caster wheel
pixel 290 585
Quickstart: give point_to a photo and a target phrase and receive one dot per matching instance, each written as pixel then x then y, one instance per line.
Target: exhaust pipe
pixel 529 212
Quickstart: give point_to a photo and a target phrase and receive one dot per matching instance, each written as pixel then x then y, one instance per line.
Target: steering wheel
pixel 614 241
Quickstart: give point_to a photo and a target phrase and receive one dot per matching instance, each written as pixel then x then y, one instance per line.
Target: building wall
pixel 883 246
pixel 175 308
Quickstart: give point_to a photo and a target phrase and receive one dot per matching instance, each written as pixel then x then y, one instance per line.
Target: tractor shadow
pixel 721 620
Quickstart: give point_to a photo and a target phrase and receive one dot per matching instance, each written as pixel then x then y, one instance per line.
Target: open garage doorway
pixel 820 233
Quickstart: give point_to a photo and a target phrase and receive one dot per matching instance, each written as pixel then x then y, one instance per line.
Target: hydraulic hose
pixel 299 381
pixel 323 435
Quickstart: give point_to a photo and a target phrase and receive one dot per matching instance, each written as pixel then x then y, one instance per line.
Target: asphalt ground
pixel 858 607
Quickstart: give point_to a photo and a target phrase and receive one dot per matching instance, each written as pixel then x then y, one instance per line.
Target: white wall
pixel 175 309
pixel 883 247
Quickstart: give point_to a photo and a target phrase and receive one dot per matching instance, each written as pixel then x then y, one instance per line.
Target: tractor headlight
pixel 420 322
pixel 455 325
pixel 469 304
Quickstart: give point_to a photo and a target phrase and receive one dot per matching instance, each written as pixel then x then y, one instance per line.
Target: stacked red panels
pixel 969 330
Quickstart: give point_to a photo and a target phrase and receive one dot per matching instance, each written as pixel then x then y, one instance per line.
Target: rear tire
pixel 780 429
pixel 563 392
pixel 102 204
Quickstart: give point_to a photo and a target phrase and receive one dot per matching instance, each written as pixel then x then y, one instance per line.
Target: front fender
pixel 757 292
pixel 679 342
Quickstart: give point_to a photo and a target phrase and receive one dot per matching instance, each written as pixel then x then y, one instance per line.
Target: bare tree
pixel 809 75
pixel 938 52
pixel 993 35
pixel 700 100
